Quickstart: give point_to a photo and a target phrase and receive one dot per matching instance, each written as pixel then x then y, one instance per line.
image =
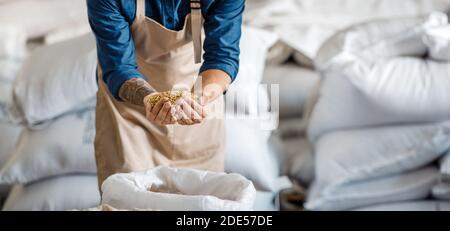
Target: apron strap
pixel 140 10
pixel 196 24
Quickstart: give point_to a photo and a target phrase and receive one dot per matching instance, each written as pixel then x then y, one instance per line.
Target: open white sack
pixel 165 188
pixel 367 81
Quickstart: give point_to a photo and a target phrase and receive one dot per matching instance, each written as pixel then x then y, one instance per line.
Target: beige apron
pixel 125 140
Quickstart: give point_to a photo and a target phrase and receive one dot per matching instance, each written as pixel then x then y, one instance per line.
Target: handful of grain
pixel 173 96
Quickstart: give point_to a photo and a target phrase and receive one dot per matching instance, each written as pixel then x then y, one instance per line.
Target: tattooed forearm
pixel 135 90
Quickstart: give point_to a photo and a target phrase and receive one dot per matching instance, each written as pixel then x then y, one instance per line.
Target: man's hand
pixel 213 84
pixel 162 113
pixel 137 91
pixel 189 111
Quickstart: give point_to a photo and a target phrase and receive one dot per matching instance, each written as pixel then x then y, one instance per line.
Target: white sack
pixel 441 191
pixel 12 43
pixel 57 79
pixel 279 53
pixel 55 194
pixel 249 122
pixel 424 205
pixel 264 201
pixel 414 185
pixel 438 42
pixel 4 192
pixel 347 157
pixel 306 24
pixel 300 160
pixel 5 101
pixel 66 146
pixel 164 188
pixel 445 165
pixel 245 95
pixel 12 52
pixel 37 18
pixel 292 128
pixel 400 90
pixel 8 70
pixel 369 42
pixel 9 135
pixel 254 44
pixel 359 91
pixel 343 106
pixel 247 152
pixel 295 84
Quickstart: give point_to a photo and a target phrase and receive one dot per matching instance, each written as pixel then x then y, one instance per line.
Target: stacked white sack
pixel 12 54
pixel 377 119
pixel 362 167
pixel 305 25
pixel 64 146
pixel 368 81
pixel 55 89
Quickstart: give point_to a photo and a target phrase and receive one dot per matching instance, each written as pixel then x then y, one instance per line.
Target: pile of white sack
pixel 12 53
pixel 304 25
pixel 52 166
pixel 382 117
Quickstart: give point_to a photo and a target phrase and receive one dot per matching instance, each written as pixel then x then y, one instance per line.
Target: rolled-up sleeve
pixel 223 23
pixel 115 46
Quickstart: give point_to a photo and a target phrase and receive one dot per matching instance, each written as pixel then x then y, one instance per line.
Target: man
pixel 146 47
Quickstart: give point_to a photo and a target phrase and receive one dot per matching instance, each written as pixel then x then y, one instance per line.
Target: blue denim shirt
pixel 111 22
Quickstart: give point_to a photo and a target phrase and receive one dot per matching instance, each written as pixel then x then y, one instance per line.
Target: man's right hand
pixel 163 113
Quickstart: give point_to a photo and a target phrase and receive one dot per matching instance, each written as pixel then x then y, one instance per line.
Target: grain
pixel 173 96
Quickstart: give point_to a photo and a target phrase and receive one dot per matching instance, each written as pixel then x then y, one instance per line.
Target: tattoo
pixel 135 90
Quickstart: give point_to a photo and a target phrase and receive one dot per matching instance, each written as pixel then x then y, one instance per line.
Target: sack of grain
pixel 165 188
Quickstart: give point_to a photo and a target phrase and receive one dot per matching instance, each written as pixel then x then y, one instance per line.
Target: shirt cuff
pixel 115 80
pixel 231 70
